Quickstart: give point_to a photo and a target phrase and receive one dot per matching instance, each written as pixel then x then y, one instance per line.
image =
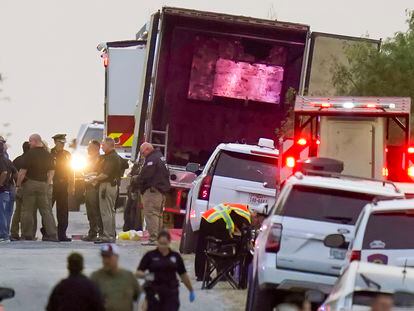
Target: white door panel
pixel 232 190
pixel 302 246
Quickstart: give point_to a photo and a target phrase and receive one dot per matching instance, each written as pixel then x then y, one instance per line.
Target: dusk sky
pixel 54 77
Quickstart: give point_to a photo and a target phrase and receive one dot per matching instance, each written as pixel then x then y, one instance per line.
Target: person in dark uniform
pixel 61 179
pixel 76 292
pixel 92 193
pixel 132 213
pixel 16 220
pixel 160 268
pixel 107 179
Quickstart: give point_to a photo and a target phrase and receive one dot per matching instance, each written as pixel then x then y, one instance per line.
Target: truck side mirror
pixel 193 168
pixel 262 209
pixel 334 241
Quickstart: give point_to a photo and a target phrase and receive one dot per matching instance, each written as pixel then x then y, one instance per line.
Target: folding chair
pixel 222 257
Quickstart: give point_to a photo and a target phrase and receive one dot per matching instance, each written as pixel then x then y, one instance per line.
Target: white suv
pixel 290 252
pixel 236 173
pixel 384 234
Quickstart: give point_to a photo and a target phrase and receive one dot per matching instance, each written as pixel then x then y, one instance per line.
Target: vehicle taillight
pixel 326 105
pixel 302 141
pixel 105 59
pixel 273 238
pixel 290 162
pixel 410 171
pixel 355 256
pixel 204 193
pixel 371 105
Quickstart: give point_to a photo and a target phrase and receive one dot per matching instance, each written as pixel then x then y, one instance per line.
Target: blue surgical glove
pixel 192 296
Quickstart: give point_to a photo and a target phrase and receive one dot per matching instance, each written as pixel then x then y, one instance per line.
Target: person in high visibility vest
pixel 222 222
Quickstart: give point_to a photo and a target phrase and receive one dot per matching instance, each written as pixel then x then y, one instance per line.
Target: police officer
pixel 221 222
pixel 61 158
pixel 160 268
pixel 92 193
pixel 153 182
pixel 107 179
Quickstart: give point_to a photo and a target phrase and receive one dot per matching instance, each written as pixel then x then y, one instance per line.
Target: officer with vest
pixel 61 179
pixel 222 222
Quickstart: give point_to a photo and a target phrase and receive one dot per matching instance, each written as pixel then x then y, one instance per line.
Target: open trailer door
pixel 149 33
pixel 325 51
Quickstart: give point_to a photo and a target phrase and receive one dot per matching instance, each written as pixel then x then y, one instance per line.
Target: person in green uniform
pixel 61 179
pixel 118 287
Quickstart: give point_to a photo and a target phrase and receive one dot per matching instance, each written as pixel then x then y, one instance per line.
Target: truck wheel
pixel 259 299
pixel 189 239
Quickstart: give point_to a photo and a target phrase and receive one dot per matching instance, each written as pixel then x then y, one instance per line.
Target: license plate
pixel 256 199
pixel 339 254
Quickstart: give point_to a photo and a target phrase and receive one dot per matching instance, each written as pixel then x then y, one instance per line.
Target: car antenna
pixel 405 271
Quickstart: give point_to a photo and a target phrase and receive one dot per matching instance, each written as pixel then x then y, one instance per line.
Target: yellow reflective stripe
pixel 114 135
pixel 221 212
pixel 128 143
pixel 224 212
pixel 243 214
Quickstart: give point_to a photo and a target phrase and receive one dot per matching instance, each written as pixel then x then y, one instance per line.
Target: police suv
pixel 384 234
pixel 290 251
pixel 236 173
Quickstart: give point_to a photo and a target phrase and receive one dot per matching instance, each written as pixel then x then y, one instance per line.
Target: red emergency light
pixel 290 162
pixel 318 141
pixel 385 172
pixel 410 150
pixel 410 171
pixel 371 105
pixel 302 142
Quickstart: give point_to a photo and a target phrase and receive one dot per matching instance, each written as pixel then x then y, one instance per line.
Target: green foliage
pixel 388 71
pixel 286 126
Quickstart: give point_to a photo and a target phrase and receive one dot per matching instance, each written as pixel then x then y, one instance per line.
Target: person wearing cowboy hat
pixel 61 158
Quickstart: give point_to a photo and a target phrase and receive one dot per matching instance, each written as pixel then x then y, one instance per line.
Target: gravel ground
pixel 33 268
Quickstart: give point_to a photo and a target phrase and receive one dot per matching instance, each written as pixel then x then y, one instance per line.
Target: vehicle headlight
pixel 78 162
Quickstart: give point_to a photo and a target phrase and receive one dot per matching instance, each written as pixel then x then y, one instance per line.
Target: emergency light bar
pixel 353 105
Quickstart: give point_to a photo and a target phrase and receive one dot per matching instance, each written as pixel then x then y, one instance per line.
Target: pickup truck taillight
pixel 273 238
pixel 355 256
pixel 205 187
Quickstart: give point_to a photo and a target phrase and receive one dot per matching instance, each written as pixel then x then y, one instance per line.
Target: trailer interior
pixel 222 78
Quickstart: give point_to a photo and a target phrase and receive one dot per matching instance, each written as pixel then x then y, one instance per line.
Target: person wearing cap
pixel 118 287
pixel 38 168
pixel 107 181
pixel 61 158
pixel 92 193
pixel 76 292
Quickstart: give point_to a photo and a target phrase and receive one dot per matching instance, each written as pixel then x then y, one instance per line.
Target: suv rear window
pixel 389 231
pixel 92 133
pixel 247 167
pixel 327 205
